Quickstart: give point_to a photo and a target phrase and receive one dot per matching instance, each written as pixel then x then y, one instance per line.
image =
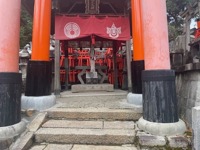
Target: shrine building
pixel 99 45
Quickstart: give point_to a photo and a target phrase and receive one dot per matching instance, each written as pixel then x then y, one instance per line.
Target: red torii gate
pixel 149 25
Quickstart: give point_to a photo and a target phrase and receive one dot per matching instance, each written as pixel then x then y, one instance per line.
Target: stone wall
pixel 188 93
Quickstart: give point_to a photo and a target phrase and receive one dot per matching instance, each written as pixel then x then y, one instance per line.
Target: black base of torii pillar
pixel 159 96
pixel 137 67
pixel 10 98
pixel 160 116
pixel 135 97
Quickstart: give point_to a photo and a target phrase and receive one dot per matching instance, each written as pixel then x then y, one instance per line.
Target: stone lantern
pixel 24 56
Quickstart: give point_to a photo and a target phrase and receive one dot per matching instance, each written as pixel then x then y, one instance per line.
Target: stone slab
pixel 94 113
pixel 73 124
pixel 178 142
pixel 135 99
pixel 119 125
pixel 196 127
pixel 5 144
pixel 92 87
pixel 38 103
pixel 58 147
pixel 24 142
pixel 116 92
pixel 162 129
pixel 38 147
pixel 85 136
pixel 37 121
pixel 13 130
pixel 150 140
pixel 94 101
pixel 92 147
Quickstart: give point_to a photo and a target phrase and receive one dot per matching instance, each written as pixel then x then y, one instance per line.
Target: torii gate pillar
pixel 137 64
pixel 11 124
pixel 10 78
pixel 39 72
pixel 160 112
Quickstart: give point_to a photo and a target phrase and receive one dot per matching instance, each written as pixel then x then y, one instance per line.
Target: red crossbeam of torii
pixel 74 27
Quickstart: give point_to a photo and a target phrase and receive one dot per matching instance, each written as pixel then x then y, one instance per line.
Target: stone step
pixel 93 96
pixel 80 147
pixel 85 136
pixel 94 93
pixel 89 124
pixel 92 87
pixel 94 113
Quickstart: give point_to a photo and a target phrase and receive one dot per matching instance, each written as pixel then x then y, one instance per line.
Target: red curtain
pixel 74 27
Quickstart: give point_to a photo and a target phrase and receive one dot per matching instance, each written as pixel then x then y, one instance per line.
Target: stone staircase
pixel 93 121
pixel 87 122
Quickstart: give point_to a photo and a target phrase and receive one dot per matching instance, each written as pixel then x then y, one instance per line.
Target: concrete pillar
pixel 10 79
pixel 187 24
pixel 137 64
pixel 57 87
pixel 39 71
pixel 196 127
pixel 160 112
pixel 128 59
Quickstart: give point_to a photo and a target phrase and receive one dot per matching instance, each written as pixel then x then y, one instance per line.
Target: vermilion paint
pixel 41 30
pixel 9 35
pixel 138 52
pixel 198 24
pixel 155 35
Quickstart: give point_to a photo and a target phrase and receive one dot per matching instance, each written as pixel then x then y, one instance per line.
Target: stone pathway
pixel 92 121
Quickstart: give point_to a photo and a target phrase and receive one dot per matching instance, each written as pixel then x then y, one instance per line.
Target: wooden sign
pixel 92 6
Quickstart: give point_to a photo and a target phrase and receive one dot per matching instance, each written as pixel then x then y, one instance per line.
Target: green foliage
pixel 25 28
pixel 175 22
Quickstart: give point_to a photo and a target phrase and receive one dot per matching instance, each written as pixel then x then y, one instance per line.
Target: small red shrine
pixel 91 38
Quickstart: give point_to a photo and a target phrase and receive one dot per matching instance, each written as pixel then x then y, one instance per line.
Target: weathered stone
pixel 197 103
pixel 194 76
pixel 190 103
pixel 73 124
pixel 5 144
pixel 85 136
pixel 192 90
pixel 188 116
pixel 92 147
pixel 135 99
pixel 150 140
pixel 24 142
pixel 198 91
pixel 38 103
pixel 94 113
pixel 162 129
pixel 119 125
pixel 58 147
pixel 97 100
pixel 185 90
pixel 92 87
pixel 98 94
pixel 196 127
pixel 36 123
pixel 13 130
pixel 178 141
pixel 38 147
